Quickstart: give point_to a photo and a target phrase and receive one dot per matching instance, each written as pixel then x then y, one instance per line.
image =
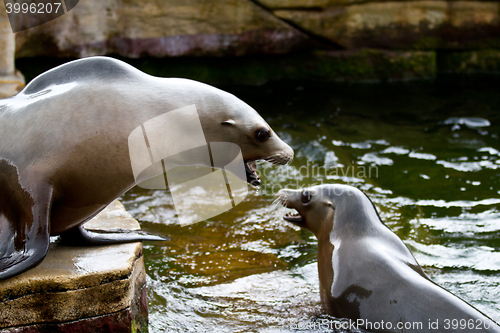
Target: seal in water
pixel 64 153
pixel 366 272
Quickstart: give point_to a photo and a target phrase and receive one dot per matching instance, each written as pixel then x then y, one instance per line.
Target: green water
pixel 432 176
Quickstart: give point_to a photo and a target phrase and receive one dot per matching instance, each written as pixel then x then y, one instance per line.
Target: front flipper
pixel 16 262
pixel 24 223
pixel 79 236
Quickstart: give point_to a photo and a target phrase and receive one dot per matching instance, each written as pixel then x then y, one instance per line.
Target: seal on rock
pixel 366 272
pixel 64 153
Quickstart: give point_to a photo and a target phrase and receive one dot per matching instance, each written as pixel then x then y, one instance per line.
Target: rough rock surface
pixel 357 40
pixel 11 81
pixel 94 289
pixel 471 62
pixel 134 28
pixel 415 25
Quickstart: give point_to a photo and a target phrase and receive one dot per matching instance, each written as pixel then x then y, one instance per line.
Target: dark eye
pixel 305 197
pixel 262 135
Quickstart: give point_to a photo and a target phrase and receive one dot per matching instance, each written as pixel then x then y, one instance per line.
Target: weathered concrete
pixel 11 81
pixel 11 84
pixel 7 46
pixel 76 289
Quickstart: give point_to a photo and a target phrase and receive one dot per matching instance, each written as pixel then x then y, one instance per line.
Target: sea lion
pixel 366 272
pixel 64 153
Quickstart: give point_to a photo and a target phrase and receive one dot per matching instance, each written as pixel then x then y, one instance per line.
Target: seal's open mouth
pixel 252 177
pixel 251 166
pixel 293 217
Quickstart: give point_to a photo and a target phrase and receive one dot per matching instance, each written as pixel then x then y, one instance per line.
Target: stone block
pixel 411 25
pixel 81 289
pixel 11 81
pixel 134 28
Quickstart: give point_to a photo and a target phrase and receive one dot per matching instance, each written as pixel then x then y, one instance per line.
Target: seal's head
pixel 318 206
pixel 224 117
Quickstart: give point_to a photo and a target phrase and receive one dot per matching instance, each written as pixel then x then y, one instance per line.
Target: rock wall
pixel 137 28
pixel 11 81
pixel 409 25
pixel 341 40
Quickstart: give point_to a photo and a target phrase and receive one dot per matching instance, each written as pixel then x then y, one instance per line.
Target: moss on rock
pixel 471 62
pixel 340 66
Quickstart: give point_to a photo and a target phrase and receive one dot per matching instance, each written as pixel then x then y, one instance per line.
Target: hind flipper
pixel 79 236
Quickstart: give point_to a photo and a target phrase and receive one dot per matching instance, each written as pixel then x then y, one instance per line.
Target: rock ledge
pixel 81 289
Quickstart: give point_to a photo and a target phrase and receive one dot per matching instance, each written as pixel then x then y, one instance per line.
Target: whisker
pixel 281 159
pixel 281 211
pixel 276 202
pixel 279 206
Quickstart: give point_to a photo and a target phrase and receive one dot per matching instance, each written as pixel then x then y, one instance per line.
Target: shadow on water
pixel 427 154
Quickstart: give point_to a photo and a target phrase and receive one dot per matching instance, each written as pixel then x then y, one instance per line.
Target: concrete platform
pixel 81 289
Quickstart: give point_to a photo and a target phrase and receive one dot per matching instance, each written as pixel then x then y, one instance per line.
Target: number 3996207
pixel 33 8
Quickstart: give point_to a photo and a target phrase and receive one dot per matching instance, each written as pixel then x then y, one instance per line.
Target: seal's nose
pixel 283 157
pixel 284 196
